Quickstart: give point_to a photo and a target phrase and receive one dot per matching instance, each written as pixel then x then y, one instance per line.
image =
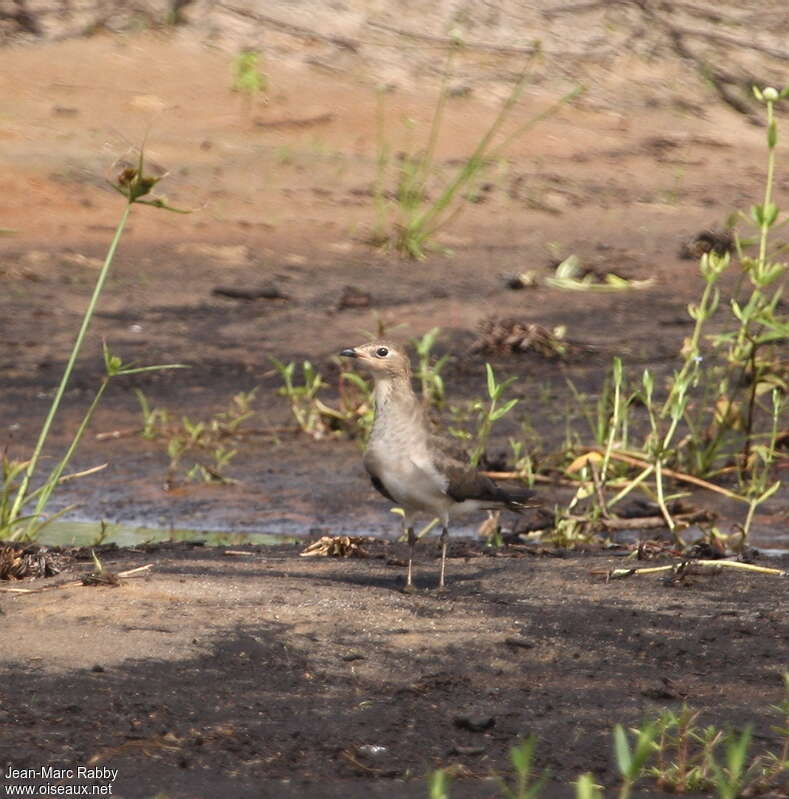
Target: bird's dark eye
pixel 382 352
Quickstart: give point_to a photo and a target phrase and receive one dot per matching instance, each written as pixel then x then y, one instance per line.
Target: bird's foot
pixel 410 588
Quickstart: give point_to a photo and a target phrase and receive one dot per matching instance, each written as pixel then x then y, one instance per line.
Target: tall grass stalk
pixel 134 185
pixel 21 493
pixel 418 219
pixel 423 226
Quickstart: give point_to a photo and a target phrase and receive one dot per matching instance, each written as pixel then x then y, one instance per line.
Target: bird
pixel 413 467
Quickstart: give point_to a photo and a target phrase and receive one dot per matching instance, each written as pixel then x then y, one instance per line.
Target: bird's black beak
pixel 349 352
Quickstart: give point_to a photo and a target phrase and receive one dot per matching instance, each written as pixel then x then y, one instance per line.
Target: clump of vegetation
pixel 570 275
pixel 428 370
pixel 420 204
pixel 201 450
pixel 722 407
pixel 249 80
pixel 483 414
pixel 23 508
pixel 313 416
pixel 353 416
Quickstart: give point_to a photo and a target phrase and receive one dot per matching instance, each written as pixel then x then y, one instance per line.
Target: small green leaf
pixel 587 788
pixel 617 371
pixel 439 785
pixel 503 410
pixel 570 267
pixel 520 758
pixel 772 134
pixel 770 491
pixel 624 759
pixel 491 381
pixel 648 382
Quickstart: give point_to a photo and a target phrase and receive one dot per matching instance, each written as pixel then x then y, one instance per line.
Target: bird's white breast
pixel 404 465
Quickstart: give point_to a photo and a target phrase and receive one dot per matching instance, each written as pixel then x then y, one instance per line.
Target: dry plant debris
pixel 572 276
pixel 19 561
pixel 337 546
pixel 107 578
pixel 511 335
pixel 353 297
pixel 676 571
pixel 718 241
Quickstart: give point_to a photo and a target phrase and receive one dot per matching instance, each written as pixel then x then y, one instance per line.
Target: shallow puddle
pixel 91 533
pixel 68 533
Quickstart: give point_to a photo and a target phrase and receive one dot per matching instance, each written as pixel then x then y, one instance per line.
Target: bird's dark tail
pixel 518 499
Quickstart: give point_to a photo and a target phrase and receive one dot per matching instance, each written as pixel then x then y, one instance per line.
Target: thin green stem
pixel 746 527
pixel 426 162
pixel 474 161
pixel 660 498
pixel 54 477
pixel 614 420
pixel 768 190
pixel 679 384
pixel 381 168
pixel 21 494
pixel 631 485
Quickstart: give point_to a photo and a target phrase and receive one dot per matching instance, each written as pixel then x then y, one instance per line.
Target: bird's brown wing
pixel 449 447
pixel 466 482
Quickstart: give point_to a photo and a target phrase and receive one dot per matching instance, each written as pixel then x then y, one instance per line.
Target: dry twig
pixel 685 565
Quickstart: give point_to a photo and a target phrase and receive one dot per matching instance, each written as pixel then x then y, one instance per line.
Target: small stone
pixel 474 722
pixel 467 750
pixel 372 751
pixel 352 297
pixel 519 643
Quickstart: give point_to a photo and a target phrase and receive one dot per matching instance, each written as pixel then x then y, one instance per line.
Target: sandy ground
pixel 267 674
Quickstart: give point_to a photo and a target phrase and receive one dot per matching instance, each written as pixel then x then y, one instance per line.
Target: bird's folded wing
pixel 448 448
pixel 465 482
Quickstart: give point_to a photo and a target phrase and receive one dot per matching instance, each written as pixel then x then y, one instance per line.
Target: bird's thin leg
pixel 411 544
pixel 444 534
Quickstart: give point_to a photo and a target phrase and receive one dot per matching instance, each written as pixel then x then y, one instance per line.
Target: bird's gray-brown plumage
pixel 410 465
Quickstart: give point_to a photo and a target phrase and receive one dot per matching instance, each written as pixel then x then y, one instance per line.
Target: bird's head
pixel 381 358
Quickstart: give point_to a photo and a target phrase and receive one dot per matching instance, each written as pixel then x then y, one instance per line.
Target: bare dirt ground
pixel 271 675
pixel 266 674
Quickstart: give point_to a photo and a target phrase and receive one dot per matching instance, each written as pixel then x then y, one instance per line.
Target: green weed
pixel 421 203
pixel 721 407
pixel 249 80
pixel 672 750
pixel 207 444
pixel 524 786
pixel 481 414
pixel 353 418
pixel 428 371
pixel 19 520
pixel 631 760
